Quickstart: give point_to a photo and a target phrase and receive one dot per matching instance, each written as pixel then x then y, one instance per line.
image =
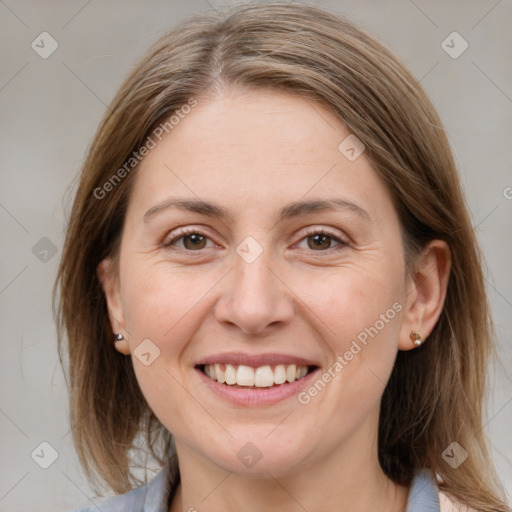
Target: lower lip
pixel 257 396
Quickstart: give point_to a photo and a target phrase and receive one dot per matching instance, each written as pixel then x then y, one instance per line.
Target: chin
pixel 255 453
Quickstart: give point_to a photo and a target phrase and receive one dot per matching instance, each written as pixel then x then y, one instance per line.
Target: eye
pixel 320 240
pixel 191 240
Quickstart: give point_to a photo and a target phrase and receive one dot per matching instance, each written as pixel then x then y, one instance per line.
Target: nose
pixel 254 298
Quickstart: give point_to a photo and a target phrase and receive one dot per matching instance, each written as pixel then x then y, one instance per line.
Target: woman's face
pixel 304 267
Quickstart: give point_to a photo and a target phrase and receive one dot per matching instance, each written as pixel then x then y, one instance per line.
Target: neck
pixel 342 481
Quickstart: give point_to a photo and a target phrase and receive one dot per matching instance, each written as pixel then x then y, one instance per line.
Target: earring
pixel 119 336
pixel 415 338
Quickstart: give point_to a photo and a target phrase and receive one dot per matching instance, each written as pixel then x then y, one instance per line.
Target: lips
pixel 239 370
pixel 255 360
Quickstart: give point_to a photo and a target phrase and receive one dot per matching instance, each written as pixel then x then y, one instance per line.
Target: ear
pixel 426 292
pixel 110 284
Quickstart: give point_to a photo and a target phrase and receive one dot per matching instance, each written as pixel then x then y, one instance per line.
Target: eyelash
pixel 184 232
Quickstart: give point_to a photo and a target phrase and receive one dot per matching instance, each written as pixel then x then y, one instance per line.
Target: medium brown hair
pixel 435 394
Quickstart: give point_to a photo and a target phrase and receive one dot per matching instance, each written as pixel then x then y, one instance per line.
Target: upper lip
pixel 240 358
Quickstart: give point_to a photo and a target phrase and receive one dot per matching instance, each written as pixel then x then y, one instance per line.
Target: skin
pixel 253 152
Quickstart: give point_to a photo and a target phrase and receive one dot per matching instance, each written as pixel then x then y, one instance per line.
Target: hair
pixel 436 393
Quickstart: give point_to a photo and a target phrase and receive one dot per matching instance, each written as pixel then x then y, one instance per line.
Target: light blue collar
pixel 424 493
pixel 154 497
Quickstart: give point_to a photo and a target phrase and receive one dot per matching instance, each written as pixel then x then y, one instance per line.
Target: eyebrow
pixel 289 211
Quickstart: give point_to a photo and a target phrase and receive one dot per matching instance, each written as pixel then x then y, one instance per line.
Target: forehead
pixel 252 148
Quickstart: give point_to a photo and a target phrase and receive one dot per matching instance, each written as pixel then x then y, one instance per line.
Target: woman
pixel 271 283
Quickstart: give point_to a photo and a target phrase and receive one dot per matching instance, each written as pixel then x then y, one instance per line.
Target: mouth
pixel 266 376
pixel 255 380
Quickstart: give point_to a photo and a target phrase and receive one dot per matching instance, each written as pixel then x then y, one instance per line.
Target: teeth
pixel 301 372
pixel 291 373
pixel 261 377
pixel 244 376
pixel 280 374
pixel 230 374
pixel 221 376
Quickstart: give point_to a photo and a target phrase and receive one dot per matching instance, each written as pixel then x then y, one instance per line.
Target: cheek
pixel 157 299
pixel 163 305
pixel 360 309
pixel 353 300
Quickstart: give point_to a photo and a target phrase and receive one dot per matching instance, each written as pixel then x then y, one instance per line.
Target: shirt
pixel 156 495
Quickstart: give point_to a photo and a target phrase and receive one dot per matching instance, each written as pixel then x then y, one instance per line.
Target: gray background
pixel 50 109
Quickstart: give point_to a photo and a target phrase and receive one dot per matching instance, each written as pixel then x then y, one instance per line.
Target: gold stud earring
pixel 415 338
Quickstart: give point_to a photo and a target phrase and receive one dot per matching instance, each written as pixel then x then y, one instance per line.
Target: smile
pixel 249 380
pixel 260 377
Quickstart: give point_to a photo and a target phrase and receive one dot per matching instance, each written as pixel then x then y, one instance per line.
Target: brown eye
pixel 189 241
pixel 322 241
pixel 194 241
pixel 319 241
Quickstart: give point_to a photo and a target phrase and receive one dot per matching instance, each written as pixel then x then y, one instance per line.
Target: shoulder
pixel 448 504
pixel 132 501
pixel 152 497
pixel 425 495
